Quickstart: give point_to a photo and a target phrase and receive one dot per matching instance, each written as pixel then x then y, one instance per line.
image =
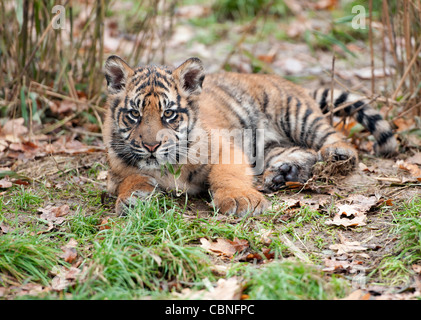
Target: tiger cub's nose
pixel 151 147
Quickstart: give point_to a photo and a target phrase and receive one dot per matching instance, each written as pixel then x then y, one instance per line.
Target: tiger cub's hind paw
pixel 340 158
pixel 294 167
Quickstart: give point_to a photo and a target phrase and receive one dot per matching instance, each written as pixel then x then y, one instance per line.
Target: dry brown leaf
pixel 5 183
pixel 14 127
pixel 265 235
pixel 256 256
pixel 347 246
pixel 4 228
pixel 335 265
pixel 415 159
pixel 363 167
pixel 267 58
pixel 69 251
pixel 362 203
pixel 102 175
pixel 224 246
pixel 403 124
pixel 417 268
pixel 65 277
pixel 348 216
pixel 226 289
pixel 104 224
pixel 324 4
pixel 358 295
pixel 54 215
pixel 413 169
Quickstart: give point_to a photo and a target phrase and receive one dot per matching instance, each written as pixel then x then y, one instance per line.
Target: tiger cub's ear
pixel 190 76
pixel 117 72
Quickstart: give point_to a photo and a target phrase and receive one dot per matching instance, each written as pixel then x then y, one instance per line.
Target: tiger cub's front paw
pixel 125 203
pixel 132 188
pixel 240 202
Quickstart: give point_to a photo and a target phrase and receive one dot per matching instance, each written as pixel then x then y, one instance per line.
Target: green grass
pixel 155 249
pixel 26 258
pixel 396 269
pixel 289 280
pixel 150 247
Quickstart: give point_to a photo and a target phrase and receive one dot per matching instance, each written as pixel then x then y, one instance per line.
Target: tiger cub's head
pixel 152 110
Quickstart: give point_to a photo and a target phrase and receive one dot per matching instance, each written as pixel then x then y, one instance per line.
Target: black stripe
pixel 341 99
pixel 163 77
pixel 143 85
pixel 313 135
pixel 216 94
pixel 269 159
pixel 303 125
pixel 384 137
pixel 115 104
pixel 322 102
pixel 160 84
pixel 372 121
pixel 297 112
pixel 310 130
pixel 240 103
pixel 348 110
pixel 271 145
pixel 286 126
pixel 265 101
pixel 131 121
pixel 323 139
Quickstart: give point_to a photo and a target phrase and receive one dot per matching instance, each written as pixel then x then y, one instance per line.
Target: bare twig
pixel 408 69
pixel 331 107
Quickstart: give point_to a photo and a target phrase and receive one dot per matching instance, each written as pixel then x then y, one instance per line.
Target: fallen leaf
pixel 265 235
pixel 4 228
pixel 362 203
pixel 14 127
pixel 413 169
pixel 347 246
pixel 53 215
pixel 5 183
pixel 65 277
pixel 104 224
pixel 339 265
pixel 267 58
pixel 226 289
pixel 224 246
pixel 364 168
pixel 256 256
pixel 102 175
pixel 404 124
pixel 417 268
pixel 348 216
pixel 415 159
pixel 325 4
pixel 69 251
pixel 358 295
pixel 32 289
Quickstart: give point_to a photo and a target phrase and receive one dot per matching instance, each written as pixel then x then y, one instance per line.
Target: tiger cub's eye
pixel 168 113
pixel 134 113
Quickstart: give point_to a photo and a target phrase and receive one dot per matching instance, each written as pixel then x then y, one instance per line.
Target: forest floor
pixel 354 237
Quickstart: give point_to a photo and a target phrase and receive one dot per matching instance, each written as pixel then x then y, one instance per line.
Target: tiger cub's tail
pixel 358 107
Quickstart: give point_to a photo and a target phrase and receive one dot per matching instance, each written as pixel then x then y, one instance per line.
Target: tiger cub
pixel 158 115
